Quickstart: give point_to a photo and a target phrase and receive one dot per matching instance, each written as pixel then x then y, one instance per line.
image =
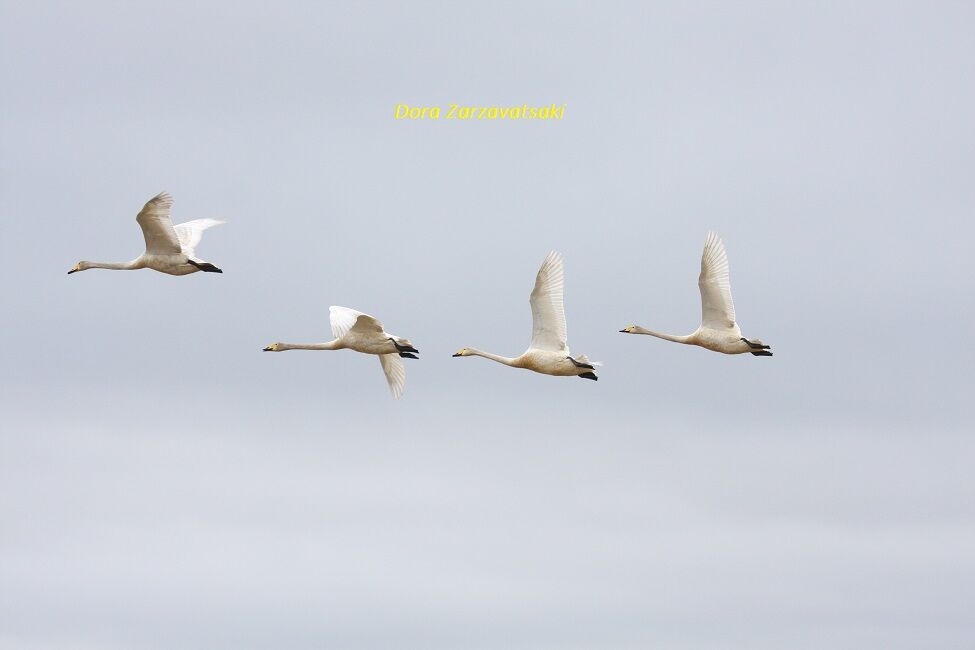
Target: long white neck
pixel 331 345
pixel 667 337
pixel 117 266
pixel 494 357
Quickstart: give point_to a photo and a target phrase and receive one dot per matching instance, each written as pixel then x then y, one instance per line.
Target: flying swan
pixel 169 249
pixel 354 330
pixel 548 352
pixel 719 330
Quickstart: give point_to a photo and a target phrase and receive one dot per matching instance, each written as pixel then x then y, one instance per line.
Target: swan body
pixel 719 330
pixel 548 352
pixel 354 330
pixel 169 249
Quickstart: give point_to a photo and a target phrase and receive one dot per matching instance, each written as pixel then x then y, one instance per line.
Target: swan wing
pixel 717 308
pixel 157 226
pixel 366 324
pixel 548 310
pixel 191 232
pixel 344 320
pixel 395 371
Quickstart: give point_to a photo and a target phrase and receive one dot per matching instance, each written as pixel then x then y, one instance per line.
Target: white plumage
pixel 191 232
pixel 548 308
pixel 717 307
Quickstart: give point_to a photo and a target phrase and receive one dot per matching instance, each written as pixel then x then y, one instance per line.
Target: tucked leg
pixel 404 348
pixel 205 266
pixel 580 364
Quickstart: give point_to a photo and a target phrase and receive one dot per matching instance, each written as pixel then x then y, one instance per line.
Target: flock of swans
pixel 172 249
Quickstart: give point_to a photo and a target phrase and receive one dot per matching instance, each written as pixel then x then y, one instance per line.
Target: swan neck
pixel 117 266
pixel 331 345
pixel 676 338
pixel 493 357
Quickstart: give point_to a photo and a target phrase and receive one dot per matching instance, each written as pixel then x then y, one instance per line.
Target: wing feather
pixel 366 324
pixel 157 226
pixel 548 309
pixel 191 232
pixel 395 371
pixel 343 320
pixel 717 307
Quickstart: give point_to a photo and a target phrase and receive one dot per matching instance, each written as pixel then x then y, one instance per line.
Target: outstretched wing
pixel 395 371
pixel 548 311
pixel 365 324
pixel 717 308
pixel 191 232
pixel 157 226
pixel 344 319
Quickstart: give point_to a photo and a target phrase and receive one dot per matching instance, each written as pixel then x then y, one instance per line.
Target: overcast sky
pixel 165 484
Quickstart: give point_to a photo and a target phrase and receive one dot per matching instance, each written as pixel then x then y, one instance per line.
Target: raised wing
pixel 190 233
pixel 717 308
pixel 367 325
pixel 344 319
pixel 548 311
pixel 157 226
pixel 395 373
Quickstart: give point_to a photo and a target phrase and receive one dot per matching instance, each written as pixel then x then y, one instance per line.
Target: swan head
pixel 80 266
pixel 463 352
pixel 629 329
pixel 274 347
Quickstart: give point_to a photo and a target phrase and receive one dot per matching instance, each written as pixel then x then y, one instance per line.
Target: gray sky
pixel 165 484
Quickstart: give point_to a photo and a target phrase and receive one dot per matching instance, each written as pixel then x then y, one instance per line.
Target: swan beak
pixel 457 355
pixel 72 271
pixel 268 349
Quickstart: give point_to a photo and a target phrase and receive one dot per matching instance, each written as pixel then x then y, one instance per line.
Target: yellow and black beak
pixel 268 349
pixel 457 354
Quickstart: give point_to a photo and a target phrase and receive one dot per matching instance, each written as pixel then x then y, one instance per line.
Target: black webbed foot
pixel 580 364
pixel 589 375
pixel 404 348
pixel 407 355
pixel 205 267
pixel 762 353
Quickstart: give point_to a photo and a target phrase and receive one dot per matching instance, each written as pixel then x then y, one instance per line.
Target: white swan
pixel 548 352
pixel 354 330
pixel 719 330
pixel 169 249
